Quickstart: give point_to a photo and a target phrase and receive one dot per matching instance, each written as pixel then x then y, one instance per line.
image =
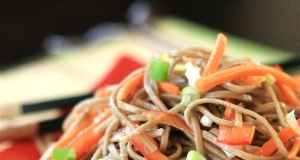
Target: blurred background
pixel 25 24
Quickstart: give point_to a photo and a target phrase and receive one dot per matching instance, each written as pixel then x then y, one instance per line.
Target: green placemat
pixel 203 36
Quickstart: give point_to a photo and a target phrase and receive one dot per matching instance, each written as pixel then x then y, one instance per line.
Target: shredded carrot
pixel 269 147
pixel 295 149
pixel 297 77
pixel 105 91
pixel 236 72
pixel 216 55
pixel 84 124
pixel 87 138
pixel 251 80
pixel 125 90
pixel 83 136
pixel 168 87
pixel 287 95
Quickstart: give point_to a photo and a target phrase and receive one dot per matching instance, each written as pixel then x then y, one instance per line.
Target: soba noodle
pixel 258 105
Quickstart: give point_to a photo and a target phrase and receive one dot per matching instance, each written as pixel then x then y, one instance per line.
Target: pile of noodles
pixel 257 105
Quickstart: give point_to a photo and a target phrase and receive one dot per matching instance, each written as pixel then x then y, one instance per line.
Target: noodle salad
pixel 188 104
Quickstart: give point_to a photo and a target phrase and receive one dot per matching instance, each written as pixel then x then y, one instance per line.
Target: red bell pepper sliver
pixel 294 151
pixel 168 87
pixel 269 147
pixel 236 135
pixel 236 72
pixel 168 119
pixel 229 113
pixel 135 81
pixel 216 55
pixel 143 149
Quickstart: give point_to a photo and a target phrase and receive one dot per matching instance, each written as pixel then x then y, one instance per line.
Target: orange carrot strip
pixel 105 91
pixel 130 85
pixel 295 149
pixel 287 95
pixel 251 80
pixel 297 77
pixel 61 143
pixel 216 56
pixel 87 138
pixel 269 147
pixel 236 72
pixel 168 87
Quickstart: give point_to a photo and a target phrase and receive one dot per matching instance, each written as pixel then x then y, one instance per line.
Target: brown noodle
pixel 258 105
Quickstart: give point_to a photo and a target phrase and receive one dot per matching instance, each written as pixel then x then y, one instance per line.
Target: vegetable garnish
pixel 216 55
pixel 168 87
pixel 189 94
pixel 64 154
pixel 295 149
pixel 251 80
pixel 169 119
pixel 83 137
pixel 287 95
pixel 134 82
pixel 159 70
pixel 194 155
pixel 143 148
pixel 269 147
pixel 216 78
pixel 205 121
pixel 291 120
pixel 269 79
pixel 221 108
pixel 236 135
pixel 192 73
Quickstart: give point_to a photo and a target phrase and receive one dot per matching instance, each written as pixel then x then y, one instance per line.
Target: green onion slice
pixel 194 155
pixel 64 154
pixel 159 70
pixel 189 94
pixel 269 79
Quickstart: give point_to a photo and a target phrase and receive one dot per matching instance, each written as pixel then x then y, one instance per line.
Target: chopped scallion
pixel 64 154
pixel 221 108
pixel 269 79
pixel 194 155
pixel 189 94
pixel 159 70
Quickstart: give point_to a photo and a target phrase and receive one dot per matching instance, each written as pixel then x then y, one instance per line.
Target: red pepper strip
pixel 229 113
pixel 236 135
pixel 168 119
pixel 269 147
pixel 143 149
